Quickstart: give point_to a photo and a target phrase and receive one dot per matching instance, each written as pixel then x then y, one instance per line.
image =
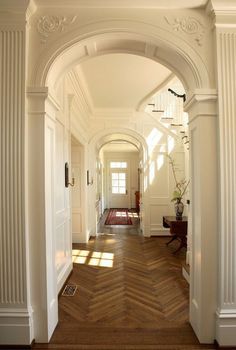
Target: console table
pixel 178 228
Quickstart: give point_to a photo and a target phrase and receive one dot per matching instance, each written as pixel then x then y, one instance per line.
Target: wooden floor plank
pixel 140 302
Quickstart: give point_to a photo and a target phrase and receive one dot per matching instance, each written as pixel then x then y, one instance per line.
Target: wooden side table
pixel 178 228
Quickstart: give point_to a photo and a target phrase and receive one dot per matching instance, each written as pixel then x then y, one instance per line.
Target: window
pixel 118 183
pixel 118 165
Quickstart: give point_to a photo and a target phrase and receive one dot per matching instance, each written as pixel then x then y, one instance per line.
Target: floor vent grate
pixel 69 290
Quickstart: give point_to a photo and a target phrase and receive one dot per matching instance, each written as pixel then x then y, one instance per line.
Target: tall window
pixel 118 183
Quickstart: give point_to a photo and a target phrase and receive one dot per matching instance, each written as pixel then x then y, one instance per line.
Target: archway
pixel 114 134
pixel 158 45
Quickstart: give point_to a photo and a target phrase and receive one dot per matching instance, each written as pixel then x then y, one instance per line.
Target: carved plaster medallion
pixel 188 25
pixel 47 25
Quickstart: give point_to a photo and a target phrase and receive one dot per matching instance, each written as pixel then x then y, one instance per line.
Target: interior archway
pixel 143 41
pixel 139 39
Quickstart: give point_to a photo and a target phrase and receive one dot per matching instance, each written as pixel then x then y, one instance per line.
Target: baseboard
pixel 161 233
pixel 185 272
pixel 226 328
pixel 77 237
pixel 64 275
pixel 13 347
pixel 217 346
pixel 65 283
pixel 15 327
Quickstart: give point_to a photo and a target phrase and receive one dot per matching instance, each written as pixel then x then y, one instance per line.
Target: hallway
pixel 136 296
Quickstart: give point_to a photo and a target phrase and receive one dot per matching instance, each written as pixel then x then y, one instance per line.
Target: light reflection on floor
pixel 133 215
pixel 124 214
pixel 87 257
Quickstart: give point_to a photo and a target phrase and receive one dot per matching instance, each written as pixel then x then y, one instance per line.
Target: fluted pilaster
pixel 15 312
pixel 12 220
pixel 227 122
pixel 226 53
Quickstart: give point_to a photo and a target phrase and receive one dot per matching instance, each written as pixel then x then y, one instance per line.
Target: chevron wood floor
pixel 131 295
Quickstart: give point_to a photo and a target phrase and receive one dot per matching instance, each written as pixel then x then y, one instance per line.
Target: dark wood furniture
pixel 178 228
pixel 137 201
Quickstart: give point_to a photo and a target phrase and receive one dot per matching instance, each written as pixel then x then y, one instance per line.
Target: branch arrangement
pixel 180 186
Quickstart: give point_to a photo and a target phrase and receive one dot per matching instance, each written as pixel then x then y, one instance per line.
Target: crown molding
pixel 81 90
pixel 223 12
pixel 152 4
pixel 14 6
pixel 15 13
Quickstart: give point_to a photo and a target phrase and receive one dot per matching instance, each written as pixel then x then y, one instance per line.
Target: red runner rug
pixel 118 217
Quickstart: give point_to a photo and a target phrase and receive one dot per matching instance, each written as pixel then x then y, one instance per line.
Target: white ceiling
pixel 120 80
pixel 119 146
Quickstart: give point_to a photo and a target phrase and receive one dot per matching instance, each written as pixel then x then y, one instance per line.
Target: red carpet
pixel 118 217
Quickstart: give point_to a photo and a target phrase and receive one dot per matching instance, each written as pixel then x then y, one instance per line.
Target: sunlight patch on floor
pixel 87 257
pixel 133 215
pixel 121 213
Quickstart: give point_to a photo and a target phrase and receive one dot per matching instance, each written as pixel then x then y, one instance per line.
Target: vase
pixel 179 209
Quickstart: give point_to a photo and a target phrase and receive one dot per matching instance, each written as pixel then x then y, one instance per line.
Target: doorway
pixel 197 271
pixel 120 160
pixel 119 184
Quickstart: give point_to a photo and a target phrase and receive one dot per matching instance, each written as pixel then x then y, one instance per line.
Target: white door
pixel 119 194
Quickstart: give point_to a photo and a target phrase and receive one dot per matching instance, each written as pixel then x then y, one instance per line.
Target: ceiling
pixel 120 80
pixel 119 146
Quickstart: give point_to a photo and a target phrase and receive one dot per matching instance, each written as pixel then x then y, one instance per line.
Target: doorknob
pixel 126 191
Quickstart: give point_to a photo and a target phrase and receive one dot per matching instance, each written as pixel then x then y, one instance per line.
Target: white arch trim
pixel 118 138
pixel 104 136
pixel 124 37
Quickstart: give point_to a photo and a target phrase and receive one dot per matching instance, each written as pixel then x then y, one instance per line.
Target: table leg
pixel 182 244
pixel 172 239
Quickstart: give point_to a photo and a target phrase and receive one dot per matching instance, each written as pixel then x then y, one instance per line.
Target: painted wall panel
pixel 159 175
pixel 62 206
pixel 77 193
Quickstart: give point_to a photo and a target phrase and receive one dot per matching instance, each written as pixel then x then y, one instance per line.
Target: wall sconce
pixel 89 182
pixel 67 183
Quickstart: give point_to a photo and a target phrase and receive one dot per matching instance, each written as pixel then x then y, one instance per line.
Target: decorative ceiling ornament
pixel 50 24
pixel 188 25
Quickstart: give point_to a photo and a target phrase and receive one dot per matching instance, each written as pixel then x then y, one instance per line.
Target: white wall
pixel 77 193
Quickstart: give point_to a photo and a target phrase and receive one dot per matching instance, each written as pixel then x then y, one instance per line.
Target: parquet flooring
pixel 132 297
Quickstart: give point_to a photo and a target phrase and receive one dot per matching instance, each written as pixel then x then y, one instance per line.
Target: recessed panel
pixel 157 212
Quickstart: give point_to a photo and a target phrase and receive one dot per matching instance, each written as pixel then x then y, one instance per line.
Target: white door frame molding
pixel 193 76
pixel 41 166
pixel 202 110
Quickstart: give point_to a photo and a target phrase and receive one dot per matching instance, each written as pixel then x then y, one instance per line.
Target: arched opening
pixel 141 42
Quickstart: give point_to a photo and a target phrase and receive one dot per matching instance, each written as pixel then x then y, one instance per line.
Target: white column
pixel 15 311
pixel 41 211
pixel 226 75
pixel 203 225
